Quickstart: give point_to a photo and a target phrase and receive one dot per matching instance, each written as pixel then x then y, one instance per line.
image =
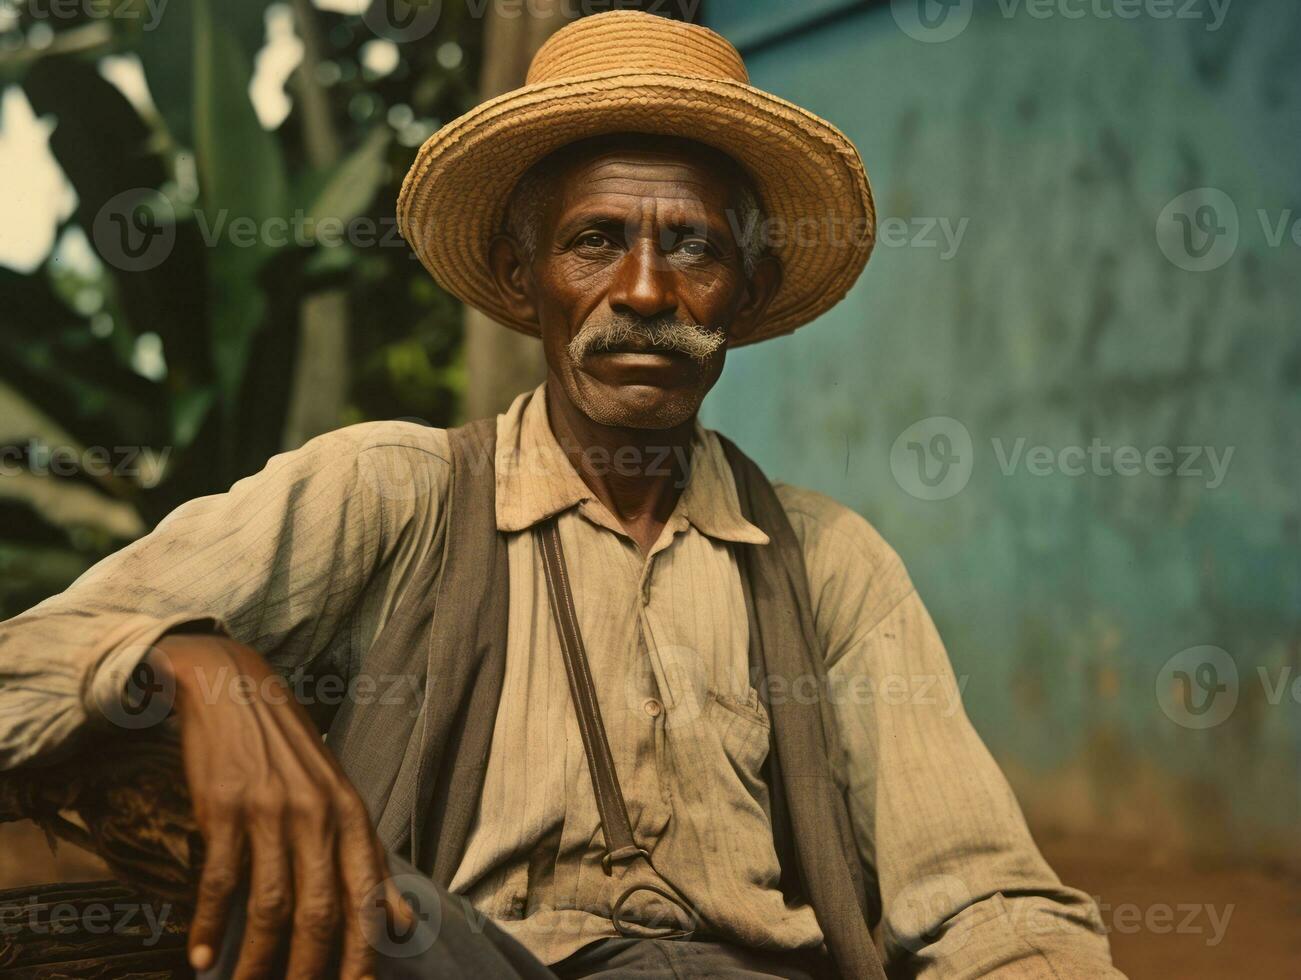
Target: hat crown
pixel 630 41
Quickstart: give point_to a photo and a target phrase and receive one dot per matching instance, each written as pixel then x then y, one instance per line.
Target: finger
pixel 221 875
pixel 363 875
pixel 316 895
pixel 395 907
pixel 400 914
pixel 270 902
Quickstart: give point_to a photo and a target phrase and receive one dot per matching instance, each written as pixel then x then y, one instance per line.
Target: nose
pixel 643 283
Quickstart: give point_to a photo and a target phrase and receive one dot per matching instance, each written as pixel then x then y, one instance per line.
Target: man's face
pixel 638 281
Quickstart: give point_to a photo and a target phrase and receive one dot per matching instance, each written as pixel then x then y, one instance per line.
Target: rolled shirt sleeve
pixel 963 888
pixel 279 562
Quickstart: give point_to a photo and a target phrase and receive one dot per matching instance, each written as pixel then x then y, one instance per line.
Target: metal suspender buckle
pixel 622 854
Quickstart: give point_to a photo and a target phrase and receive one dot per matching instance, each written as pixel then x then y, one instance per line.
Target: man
pixel 645 731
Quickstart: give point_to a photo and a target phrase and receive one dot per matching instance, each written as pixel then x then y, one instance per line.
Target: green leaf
pixel 189 409
pixel 327 262
pixel 352 185
pixel 163 38
pixel 238 308
pixel 242 178
pixel 241 170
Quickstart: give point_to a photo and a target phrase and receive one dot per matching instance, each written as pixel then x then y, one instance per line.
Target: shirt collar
pixel 535 479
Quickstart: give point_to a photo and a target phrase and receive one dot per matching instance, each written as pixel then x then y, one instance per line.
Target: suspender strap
pixel 620 845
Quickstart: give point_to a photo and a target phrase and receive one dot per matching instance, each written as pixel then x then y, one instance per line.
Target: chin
pixel 638 406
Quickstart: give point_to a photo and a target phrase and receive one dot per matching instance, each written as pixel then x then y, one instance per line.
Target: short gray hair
pixel 525 207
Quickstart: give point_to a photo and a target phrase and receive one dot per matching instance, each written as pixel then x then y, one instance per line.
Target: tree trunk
pixel 320 381
pixel 501 363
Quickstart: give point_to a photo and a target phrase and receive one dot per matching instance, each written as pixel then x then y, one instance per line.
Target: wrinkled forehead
pixel 648 173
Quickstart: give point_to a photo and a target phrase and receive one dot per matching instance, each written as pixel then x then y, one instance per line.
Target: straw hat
pixel 633 72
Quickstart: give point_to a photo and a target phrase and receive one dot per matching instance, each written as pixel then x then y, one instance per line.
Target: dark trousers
pixel 670 959
pixel 445 944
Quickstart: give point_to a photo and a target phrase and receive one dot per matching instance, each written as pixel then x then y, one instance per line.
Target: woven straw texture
pixel 633 72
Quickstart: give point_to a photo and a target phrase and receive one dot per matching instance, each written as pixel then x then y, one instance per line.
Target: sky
pixel 37 196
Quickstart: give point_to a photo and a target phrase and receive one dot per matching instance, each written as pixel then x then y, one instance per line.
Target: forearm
pixel 278 562
pixel 1052 934
pixel 64 669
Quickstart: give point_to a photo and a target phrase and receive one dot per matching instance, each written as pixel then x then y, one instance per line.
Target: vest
pixel 418 759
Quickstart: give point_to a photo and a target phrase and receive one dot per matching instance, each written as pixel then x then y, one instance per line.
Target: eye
pixel 694 247
pixel 592 239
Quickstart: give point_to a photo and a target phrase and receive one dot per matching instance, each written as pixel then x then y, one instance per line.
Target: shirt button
pixel 653 707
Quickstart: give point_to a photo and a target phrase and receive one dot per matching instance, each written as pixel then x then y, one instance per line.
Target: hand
pixel 266 790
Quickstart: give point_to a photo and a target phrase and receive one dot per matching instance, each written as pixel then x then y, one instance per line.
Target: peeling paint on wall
pixel 1058 335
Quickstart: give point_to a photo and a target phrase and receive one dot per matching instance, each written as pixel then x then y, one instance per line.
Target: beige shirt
pixel 306 560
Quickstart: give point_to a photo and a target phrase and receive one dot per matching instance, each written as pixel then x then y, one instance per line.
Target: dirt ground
pixel 1163 915
pixel 1169 919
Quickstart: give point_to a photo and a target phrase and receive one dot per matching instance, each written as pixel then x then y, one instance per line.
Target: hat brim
pixel 821 221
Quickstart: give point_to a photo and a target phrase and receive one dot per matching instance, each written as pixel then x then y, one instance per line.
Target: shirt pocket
pixel 743 730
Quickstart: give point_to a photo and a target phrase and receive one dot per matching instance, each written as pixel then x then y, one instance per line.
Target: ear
pixel 512 275
pixel 761 289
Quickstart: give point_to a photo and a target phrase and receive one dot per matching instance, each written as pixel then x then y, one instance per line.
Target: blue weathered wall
pixel 1071 310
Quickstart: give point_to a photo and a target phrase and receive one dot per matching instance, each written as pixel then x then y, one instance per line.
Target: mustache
pixel 692 339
